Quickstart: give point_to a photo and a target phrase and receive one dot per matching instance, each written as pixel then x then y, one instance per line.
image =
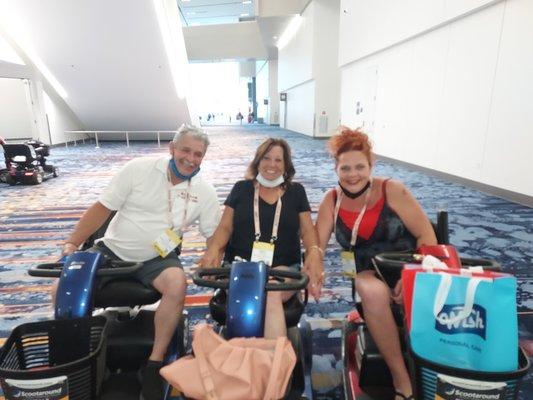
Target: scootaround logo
pixel 475 323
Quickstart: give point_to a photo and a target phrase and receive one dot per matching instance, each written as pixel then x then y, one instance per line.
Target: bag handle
pixel 442 294
pixel 205 373
pixel 274 370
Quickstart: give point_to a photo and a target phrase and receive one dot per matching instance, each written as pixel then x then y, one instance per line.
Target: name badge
pixel 263 251
pixel 166 242
pixel 348 263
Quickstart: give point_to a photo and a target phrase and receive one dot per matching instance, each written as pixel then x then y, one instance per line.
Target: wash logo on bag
pixel 467 319
pixel 447 323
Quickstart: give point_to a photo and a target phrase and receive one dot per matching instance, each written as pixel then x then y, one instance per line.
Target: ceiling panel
pixel 209 12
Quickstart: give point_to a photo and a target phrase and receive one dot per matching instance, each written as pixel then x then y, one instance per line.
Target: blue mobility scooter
pixel 238 307
pixel 366 375
pixel 26 163
pixel 98 356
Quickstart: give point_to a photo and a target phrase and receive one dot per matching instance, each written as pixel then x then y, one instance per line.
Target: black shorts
pixel 149 270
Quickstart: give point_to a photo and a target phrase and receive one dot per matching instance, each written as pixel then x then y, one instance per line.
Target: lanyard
pixel 170 205
pixel 277 215
pixel 357 222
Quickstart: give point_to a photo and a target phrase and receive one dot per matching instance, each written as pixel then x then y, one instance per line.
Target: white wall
pixel 58 111
pixel 113 66
pixel 267 89
pixel 224 42
pixel 60 120
pixel 295 60
pixel 261 86
pixel 325 69
pixel 309 60
pixel 16 116
pixel 300 108
pixel 455 98
pixel 370 26
pixel 273 92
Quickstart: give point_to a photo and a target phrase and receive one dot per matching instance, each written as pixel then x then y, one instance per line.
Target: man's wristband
pixel 71 243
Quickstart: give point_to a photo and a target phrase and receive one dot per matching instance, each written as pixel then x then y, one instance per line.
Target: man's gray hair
pixel 191 130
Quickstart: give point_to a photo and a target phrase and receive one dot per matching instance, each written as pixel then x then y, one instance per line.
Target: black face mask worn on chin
pixel 356 194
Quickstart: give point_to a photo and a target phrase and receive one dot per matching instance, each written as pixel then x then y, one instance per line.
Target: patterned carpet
pixel 35 219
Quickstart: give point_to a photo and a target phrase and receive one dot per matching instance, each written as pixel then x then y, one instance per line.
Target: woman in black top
pixel 273 235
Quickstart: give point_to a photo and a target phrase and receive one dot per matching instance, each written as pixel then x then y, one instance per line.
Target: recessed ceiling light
pixel 245 15
pixel 185 1
pixel 191 13
pixel 247 2
pixel 274 37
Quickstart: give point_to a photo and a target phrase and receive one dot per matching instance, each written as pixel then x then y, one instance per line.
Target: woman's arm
pixel 416 221
pixel 313 265
pixel 410 212
pixel 216 243
pixel 325 220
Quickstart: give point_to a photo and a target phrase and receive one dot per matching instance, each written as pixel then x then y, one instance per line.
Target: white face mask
pixel 269 184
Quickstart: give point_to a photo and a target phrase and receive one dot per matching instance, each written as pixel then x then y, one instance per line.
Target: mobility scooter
pixel 238 307
pixel 94 356
pixel 26 163
pixel 366 375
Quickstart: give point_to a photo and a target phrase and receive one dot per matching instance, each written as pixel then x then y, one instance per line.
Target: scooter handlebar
pixel 48 270
pixel 200 274
pixel 113 268
pixel 299 281
pixel 399 259
pixel 221 281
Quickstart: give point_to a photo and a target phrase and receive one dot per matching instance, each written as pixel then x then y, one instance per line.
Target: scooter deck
pixel 123 386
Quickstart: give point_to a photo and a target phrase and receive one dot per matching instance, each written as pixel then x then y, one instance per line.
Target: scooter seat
pixel 124 293
pixel 293 308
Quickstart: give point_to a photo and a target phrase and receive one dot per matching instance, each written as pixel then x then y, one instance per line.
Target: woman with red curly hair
pixel 370 215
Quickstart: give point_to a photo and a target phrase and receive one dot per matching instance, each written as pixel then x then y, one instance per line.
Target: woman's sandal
pixel 403 396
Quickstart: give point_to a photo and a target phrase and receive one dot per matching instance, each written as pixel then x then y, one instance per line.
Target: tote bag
pixel 235 369
pixel 465 321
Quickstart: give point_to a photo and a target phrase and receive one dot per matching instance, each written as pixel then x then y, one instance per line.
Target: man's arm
pixel 89 223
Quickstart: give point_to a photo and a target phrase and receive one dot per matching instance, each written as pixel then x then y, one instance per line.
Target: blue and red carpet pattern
pixel 34 220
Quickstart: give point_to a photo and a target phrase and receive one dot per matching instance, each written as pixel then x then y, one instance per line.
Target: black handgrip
pixel 49 270
pixel 488 265
pixel 442 231
pixel 200 273
pixel 397 260
pixel 112 268
pixel 300 280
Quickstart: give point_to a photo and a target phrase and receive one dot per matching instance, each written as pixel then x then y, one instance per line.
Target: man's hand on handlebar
pixel 211 259
pixel 68 248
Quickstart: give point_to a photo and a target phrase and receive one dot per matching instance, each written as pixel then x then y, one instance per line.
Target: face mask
pixel 178 174
pixel 356 194
pixel 269 184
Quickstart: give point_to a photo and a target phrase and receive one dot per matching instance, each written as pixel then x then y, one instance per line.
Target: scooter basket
pixel 36 352
pixel 434 381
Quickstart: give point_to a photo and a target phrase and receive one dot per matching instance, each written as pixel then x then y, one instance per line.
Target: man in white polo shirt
pixel 156 198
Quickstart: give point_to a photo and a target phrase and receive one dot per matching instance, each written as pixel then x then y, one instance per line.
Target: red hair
pixel 348 139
